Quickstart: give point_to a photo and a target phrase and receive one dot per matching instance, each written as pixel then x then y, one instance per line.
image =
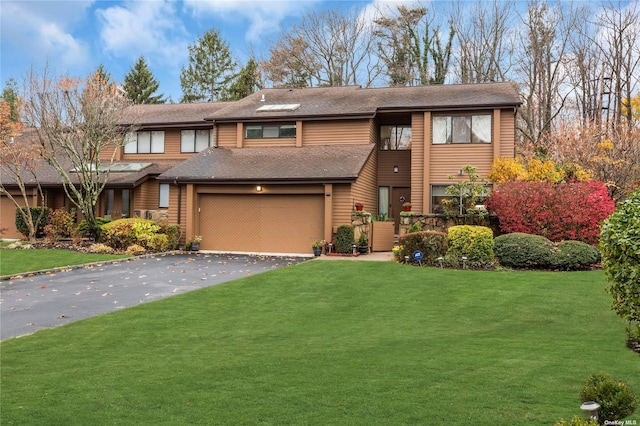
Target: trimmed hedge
pixel 432 244
pixel 473 242
pixel 345 239
pixel 574 255
pixel 620 245
pixel 122 233
pixel 518 250
pixel 615 397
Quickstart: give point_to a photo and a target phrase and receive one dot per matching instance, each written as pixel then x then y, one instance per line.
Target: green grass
pixel 19 261
pixel 329 343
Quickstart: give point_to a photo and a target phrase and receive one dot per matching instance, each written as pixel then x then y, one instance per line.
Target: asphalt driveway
pixel 43 301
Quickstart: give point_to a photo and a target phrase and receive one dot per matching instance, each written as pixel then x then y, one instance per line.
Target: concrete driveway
pixel 43 301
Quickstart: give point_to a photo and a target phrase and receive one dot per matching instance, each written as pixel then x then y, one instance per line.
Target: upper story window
pixel 395 138
pixel 462 129
pixel 147 142
pixel 194 140
pixel 270 131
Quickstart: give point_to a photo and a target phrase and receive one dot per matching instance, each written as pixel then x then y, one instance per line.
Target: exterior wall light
pixel 396 169
pixel 259 188
pixel 460 172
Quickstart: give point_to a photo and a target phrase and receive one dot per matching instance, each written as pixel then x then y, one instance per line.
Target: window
pixel 145 142
pixel 439 194
pixel 164 196
pixel 194 140
pixel 271 131
pixel 394 138
pixel 461 129
pixel 383 200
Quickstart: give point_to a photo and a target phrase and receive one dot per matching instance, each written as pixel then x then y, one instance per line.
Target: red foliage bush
pixel 558 211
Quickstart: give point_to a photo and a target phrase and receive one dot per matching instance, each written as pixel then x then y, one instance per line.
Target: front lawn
pixel 330 343
pixel 19 261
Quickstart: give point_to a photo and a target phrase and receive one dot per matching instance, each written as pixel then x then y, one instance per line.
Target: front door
pixel 399 195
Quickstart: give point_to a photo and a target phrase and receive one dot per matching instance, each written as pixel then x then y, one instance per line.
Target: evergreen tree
pixel 10 95
pixel 245 84
pixel 140 84
pixel 210 70
pixel 102 74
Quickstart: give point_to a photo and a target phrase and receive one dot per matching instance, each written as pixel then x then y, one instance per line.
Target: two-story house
pixel 282 167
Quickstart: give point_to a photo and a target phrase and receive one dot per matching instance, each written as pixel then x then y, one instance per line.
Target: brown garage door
pixel 8 219
pixel 260 223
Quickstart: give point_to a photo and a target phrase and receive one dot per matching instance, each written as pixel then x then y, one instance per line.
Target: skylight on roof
pixel 280 107
pixel 118 167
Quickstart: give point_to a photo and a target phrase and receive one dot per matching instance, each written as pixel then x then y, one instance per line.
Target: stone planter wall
pixel 361 225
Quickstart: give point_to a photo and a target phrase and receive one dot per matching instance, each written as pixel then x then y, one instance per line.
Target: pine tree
pixel 140 84
pixel 210 70
pixel 10 95
pixel 245 84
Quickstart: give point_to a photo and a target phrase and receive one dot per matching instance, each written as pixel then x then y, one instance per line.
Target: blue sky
pixel 76 36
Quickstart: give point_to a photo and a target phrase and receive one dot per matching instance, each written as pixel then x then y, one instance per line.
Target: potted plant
pixel 359 207
pixel 406 206
pixel 195 242
pixel 363 243
pixel 317 246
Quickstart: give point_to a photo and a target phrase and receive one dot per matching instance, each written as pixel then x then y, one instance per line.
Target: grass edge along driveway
pixel 20 261
pixel 330 343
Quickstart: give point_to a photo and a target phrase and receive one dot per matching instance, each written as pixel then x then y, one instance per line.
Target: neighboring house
pixel 282 167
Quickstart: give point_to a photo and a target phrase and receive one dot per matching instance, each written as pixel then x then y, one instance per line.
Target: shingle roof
pixel 355 101
pixel 314 163
pixel 165 115
pixel 48 176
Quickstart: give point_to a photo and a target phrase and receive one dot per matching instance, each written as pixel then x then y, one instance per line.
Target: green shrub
pixel 345 239
pixel 414 228
pixel 432 244
pixel 620 245
pixel 60 224
pixel 473 242
pixel 100 248
pixel 574 256
pixel 135 249
pixel 615 397
pixel 154 242
pixel 173 235
pixel 21 225
pixel 518 250
pixel 122 233
pixel 83 228
pixel 577 421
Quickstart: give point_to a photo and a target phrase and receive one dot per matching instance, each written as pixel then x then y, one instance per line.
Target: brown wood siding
pixel 507 133
pixel 8 215
pixel 386 161
pixel 171 149
pixel 173 204
pixel 336 132
pixel 107 151
pixel 417 161
pixel 446 160
pixel 227 134
pixel 342 205
pixel 147 195
pixel 365 188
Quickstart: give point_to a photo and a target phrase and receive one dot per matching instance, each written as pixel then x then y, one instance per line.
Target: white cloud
pixel 265 17
pixel 149 28
pixel 41 30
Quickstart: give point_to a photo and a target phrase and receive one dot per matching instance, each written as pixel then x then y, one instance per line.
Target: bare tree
pixel 409 43
pixel 617 39
pixel 19 161
pixel 542 69
pixel 328 48
pixel 78 124
pixel 485 41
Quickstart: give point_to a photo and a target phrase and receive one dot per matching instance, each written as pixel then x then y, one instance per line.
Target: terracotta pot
pixel 359 207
